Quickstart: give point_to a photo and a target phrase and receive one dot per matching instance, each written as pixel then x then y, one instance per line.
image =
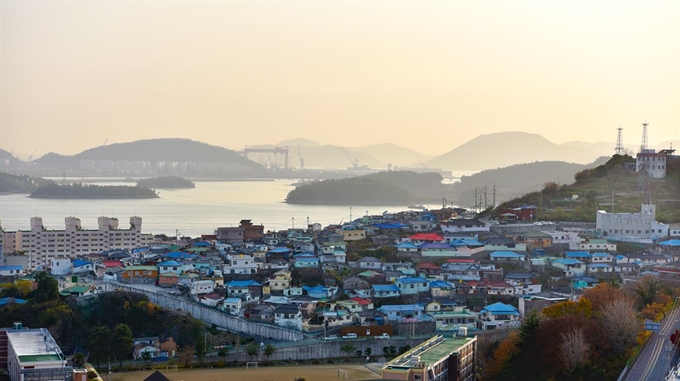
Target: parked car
pixel 350 336
pixel 330 337
pixel 383 336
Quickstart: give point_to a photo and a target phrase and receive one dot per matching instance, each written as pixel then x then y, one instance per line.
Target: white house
pixel 369 263
pixel 464 225
pixel 385 290
pixel 571 267
pixel 240 264
pixel 498 315
pixel 60 266
pixel 170 267
pixel 288 316
pixel 232 306
pixel 202 287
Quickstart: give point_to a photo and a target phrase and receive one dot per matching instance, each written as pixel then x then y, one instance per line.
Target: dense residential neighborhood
pixel 433 268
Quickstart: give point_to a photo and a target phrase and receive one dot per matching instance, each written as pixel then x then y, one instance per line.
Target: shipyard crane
pixel 421 162
pixel 30 158
pixel 107 139
pixel 302 161
pixel 353 161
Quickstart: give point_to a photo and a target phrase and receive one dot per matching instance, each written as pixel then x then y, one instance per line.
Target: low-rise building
pixel 439 358
pixel 498 315
pixel 288 316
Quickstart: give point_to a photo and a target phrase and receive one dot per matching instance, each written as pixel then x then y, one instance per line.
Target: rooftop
pixel 34 345
pixel 429 352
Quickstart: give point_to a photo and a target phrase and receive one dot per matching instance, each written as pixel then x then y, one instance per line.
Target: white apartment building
pixel 641 225
pixel 41 245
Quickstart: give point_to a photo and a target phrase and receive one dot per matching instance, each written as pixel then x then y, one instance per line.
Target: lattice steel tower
pixel 643 146
pixel 619 141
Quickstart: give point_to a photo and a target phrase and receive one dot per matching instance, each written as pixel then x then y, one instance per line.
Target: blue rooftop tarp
pixel 390 226
pixel 80 262
pixel 671 242
pixel 180 255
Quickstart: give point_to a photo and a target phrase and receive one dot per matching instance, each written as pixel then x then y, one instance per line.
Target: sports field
pixel 270 373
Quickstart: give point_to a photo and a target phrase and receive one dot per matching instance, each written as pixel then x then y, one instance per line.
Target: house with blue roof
pixel 245 289
pixel 507 256
pixel 385 290
pixel 177 255
pixel 10 301
pixel 81 267
pixel 601 258
pixel 317 292
pixel 305 261
pixel 12 271
pixel 499 315
pixel 170 267
pixel 583 282
pixel 441 289
pixel 580 255
pixel 403 312
pixel 599 268
pixel 412 285
pixel 571 267
pixel 407 247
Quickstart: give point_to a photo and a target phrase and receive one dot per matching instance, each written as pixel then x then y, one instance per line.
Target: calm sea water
pixel 191 211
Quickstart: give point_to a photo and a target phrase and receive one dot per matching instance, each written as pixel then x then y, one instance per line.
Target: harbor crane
pixel 30 158
pixel 353 161
pixel 421 162
pixel 302 161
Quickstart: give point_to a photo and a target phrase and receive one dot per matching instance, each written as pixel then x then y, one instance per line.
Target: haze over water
pixel 191 211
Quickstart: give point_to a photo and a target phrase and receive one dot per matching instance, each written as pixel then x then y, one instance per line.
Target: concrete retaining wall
pixel 212 316
pixel 322 350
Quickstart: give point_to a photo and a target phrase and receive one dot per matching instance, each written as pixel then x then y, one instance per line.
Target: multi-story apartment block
pixel 41 245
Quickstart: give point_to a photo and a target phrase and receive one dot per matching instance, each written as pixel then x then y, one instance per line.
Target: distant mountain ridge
pixel 153 150
pixel 508 148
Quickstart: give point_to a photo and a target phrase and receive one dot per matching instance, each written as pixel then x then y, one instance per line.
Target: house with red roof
pixel 428 268
pixel 426 238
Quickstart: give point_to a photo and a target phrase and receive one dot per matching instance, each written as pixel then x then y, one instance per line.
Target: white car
pixel 350 336
pixel 383 336
pixel 330 337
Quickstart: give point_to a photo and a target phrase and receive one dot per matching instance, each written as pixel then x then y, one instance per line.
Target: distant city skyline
pixel 426 75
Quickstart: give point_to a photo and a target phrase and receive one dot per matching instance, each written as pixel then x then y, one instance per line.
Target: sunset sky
pixel 428 75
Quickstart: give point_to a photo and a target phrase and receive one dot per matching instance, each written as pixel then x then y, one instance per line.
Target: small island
pixel 81 191
pixel 383 188
pixel 167 182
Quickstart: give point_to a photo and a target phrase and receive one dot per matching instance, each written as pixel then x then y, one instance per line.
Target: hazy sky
pixel 429 75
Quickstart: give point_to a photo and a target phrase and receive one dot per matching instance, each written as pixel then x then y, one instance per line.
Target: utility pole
pixel 486 205
pixel 494 195
pixel 475 206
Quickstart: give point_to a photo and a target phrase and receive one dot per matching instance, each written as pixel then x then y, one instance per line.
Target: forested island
pixel 83 191
pixel 383 188
pixel 166 182
pixel 20 183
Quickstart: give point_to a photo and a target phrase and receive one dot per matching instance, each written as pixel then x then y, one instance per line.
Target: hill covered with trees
pixel 152 150
pixel 81 191
pixel 166 182
pixel 517 179
pixel 20 183
pixel 383 188
pixel 613 185
pixel 105 325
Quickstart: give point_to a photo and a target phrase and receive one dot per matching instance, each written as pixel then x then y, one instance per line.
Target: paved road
pixel 656 359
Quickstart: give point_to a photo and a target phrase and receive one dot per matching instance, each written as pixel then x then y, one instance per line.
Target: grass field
pixel 270 373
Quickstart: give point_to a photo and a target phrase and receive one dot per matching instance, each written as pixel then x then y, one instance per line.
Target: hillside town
pixel 429 267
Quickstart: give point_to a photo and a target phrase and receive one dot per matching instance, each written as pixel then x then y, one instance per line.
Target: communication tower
pixel 619 141
pixel 643 146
